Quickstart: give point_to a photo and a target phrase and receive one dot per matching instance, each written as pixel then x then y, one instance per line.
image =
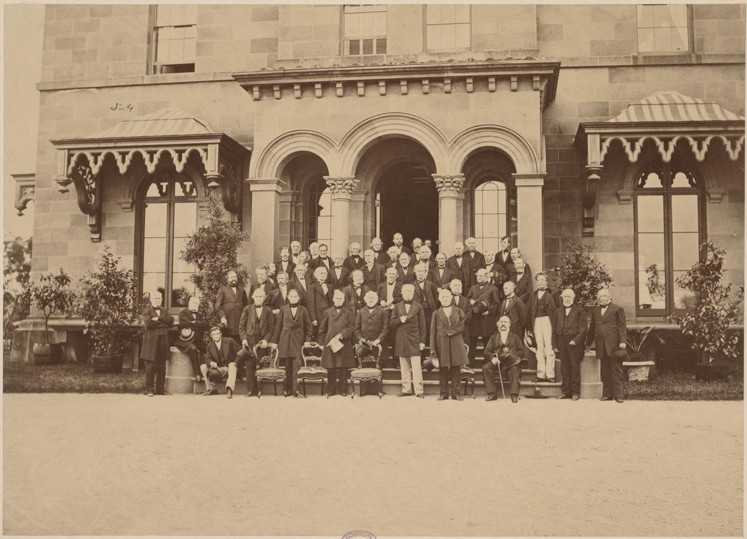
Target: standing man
pixel 323 259
pixel 504 257
pixel 424 257
pixel 405 273
pixel 295 251
pixel 447 345
pixel 319 298
pixel 192 327
pixel 156 323
pixel 301 282
pixel 373 272
pixel 408 321
pixel 523 280
pixel 257 326
pixel 399 244
pixel 285 264
pixel 484 301
pixel 355 292
pixel 337 328
pixel 440 275
pixel 476 258
pixel 263 283
pixel 568 340
pixel 463 303
pixel 230 303
pixel 503 351
pixel 609 333
pixel 389 293
pixel 222 355
pixel 460 266
pixel 393 256
pixel 292 333
pixel 540 322
pixel 354 261
pixel 279 296
pixel 514 308
pixel 339 276
pixel 377 246
pixel 426 294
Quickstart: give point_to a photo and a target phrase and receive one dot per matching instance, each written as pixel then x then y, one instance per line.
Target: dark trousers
pixel 570 364
pixel 292 364
pixel 250 364
pixel 446 375
pixel 489 373
pixel 155 370
pixel 611 376
pixel 337 380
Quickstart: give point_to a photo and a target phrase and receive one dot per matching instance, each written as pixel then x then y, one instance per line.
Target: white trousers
pixel 545 355
pixel 229 372
pixel 411 369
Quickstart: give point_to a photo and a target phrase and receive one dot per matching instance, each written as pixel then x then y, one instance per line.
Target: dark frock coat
pixel 447 341
pixel 371 325
pixel 405 275
pixel 352 300
pixel 317 302
pixel 231 305
pixel 338 282
pixel 608 331
pixel 514 343
pixel 268 287
pixel 289 270
pixel 276 298
pixel 372 277
pixel 302 292
pixel 290 332
pixel 227 353
pixel 353 263
pixel 463 303
pixel 411 334
pixel 396 293
pixel 154 329
pixel 463 273
pixel 334 323
pixel 253 330
pixel 517 313
pixel 480 325
pixel 441 279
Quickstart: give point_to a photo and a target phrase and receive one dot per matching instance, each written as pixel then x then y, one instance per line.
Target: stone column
pixel 449 220
pixel 530 218
pixel 265 218
pixel 342 189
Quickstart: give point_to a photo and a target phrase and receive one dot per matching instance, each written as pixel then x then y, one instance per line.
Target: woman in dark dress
pixel 337 325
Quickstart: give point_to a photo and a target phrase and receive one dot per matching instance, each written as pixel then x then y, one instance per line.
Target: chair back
pixel 368 356
pixel 267 358
pixel 466 348
pixel 312 354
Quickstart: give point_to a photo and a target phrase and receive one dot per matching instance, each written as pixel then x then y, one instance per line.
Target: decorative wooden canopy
pixel 665 118
pixel 165 134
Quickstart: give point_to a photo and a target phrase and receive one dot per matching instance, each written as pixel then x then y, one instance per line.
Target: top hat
pixel 186 334
pixel 530 341
pixel 620 354
pixel 214 375
pixel 480 307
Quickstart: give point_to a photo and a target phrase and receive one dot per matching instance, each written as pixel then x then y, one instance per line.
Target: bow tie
pixel 458 256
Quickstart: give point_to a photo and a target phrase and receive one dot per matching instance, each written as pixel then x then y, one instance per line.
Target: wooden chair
pixel 268 370
pixel 368 368
pixel 312 366
pixel 467 375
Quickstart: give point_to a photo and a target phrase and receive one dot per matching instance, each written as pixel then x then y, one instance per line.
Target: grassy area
pixel 20 377
pixel 684 387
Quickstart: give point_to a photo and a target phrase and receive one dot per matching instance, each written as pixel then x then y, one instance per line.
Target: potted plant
pixel 581 271
pixel 51 295
pixel 639 342
pixel 107 305
pixel 709 314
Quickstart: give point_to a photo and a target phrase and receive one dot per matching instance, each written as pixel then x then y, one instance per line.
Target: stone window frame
pixel 689 30
pixel 376 39
pixel 156 67
pixel 666 171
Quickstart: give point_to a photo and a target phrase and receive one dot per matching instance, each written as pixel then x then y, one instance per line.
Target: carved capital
pixel 341 186
pixel 448 184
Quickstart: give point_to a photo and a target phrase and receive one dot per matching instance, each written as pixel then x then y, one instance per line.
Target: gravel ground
pixel 187 465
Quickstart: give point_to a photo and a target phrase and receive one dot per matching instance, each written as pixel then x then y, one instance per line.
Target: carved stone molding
pixel 341 187
pixel 25 191
pixel 448 184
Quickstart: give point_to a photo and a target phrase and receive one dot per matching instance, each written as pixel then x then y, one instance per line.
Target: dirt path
pixel 123 464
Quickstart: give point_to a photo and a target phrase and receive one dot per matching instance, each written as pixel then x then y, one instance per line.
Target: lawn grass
pixel 684 387
pixel 21 377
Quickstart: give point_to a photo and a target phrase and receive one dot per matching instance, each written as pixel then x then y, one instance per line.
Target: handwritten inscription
pixel 122 106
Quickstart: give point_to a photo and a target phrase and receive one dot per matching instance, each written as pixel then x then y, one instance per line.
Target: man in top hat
pixel 484 301
pixel 568 340
pixel 192 326
pixel 256 327
pixel 514 308
pixel 230 303
pixel 609 332
pixel 440 275
pixel 338 277
pixel 373 272
pixel 540 320
pixel 222 355
pixel 503 351
pixel 284 263
pixel 460 266
pixel 354 261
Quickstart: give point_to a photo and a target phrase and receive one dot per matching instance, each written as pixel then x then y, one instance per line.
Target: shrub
pixel 581 271
pixel 107 304
pixel 712 309
pixel 51 295
pixel 213 249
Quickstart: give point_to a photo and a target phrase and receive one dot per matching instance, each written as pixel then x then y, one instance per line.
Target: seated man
pixel 222 355
pixel 192 326
pixel 504 351
pixel 256 326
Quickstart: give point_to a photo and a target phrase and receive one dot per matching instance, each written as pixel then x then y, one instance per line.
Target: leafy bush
pixel 16 278
pixel 213 249
pixel 713 307
pixel 106 302
pixel 51 295
pixel 581 271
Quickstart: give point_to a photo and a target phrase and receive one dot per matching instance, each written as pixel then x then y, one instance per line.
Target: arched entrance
pixel 398 172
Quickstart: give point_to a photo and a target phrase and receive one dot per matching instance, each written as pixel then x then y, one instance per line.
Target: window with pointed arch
pixel 490 213
pixel 669 209
pixel 320 213
pixel 167 214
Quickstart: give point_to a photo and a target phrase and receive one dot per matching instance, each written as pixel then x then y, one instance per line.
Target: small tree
pixel 581 271
pixel 713 309
pixel 213 249
pixel 107 304
pixel 16 279
pixel 51 295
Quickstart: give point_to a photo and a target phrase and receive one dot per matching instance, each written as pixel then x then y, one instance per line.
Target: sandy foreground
pixel 189 465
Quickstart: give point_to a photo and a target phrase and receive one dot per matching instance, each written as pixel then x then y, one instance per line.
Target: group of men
pixel 402 300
